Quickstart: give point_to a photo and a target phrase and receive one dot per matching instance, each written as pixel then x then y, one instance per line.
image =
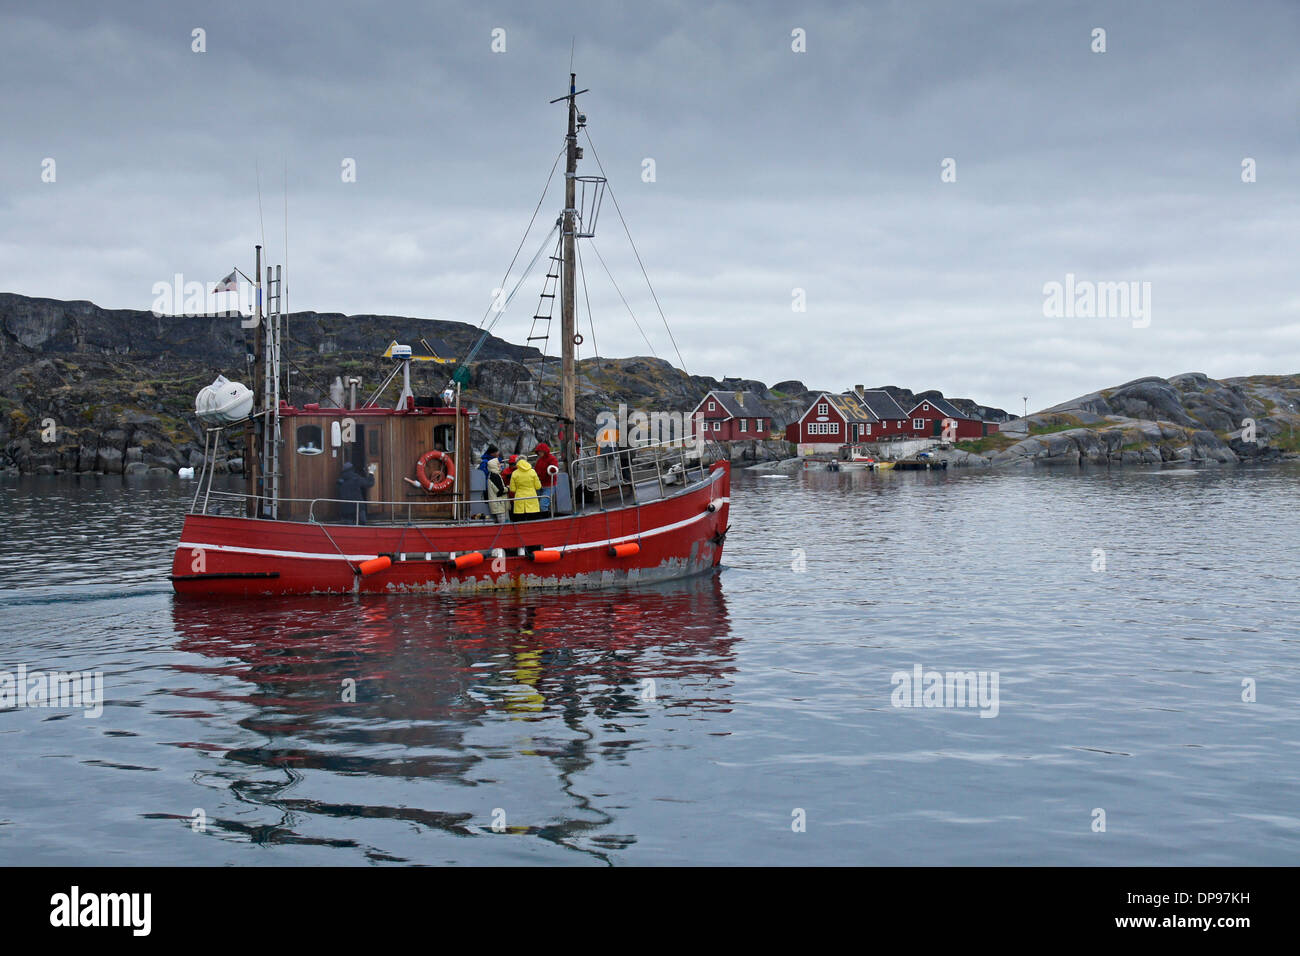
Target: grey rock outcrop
pixel 1187 418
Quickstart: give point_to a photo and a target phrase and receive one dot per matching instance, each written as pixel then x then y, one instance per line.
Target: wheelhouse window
pixel 310 440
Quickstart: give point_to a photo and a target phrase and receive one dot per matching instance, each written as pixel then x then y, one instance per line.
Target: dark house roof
pixel 749 406
pixel 943 407
pixel 881 404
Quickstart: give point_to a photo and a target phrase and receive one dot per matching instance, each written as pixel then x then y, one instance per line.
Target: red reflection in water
pixel 430 658
pixel 443 688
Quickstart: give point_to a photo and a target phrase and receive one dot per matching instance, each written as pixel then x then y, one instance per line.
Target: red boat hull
pixel 675 537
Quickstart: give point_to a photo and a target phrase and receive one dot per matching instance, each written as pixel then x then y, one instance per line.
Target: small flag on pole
pixel 229 284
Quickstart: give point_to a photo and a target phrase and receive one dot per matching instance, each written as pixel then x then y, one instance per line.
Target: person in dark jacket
pixel 352 487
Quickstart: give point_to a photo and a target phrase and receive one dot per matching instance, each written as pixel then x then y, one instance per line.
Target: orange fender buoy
pixel 546 557
pixel 470 559
pixel 448 471
pixel 625 550
pixel 375 565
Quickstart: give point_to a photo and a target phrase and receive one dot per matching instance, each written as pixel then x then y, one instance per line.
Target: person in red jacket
pixel 545 459
pixel 545 462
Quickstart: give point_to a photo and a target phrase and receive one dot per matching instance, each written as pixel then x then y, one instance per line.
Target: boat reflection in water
pixel 493 702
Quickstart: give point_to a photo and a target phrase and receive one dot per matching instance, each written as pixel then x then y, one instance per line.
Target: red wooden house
pixel 859 416
pixel 830 421
pixel 927 420
pixel 891 419
pixel 733 416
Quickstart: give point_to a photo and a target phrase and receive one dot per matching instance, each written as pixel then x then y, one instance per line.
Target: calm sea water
pixel 740 718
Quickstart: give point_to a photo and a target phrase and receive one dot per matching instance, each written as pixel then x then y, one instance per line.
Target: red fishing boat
pixel 618 513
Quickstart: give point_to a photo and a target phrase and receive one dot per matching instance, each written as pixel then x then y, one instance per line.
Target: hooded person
pixel 545 462
pixel 496 490
pixel 352 487
pixel 525 486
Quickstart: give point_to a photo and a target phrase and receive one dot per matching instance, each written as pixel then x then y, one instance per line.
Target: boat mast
pixel 567 326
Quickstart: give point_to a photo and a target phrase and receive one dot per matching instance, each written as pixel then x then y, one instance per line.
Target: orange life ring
pixel 448 471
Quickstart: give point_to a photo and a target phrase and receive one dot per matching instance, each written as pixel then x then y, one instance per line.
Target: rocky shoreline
pixel 91 390
pixel 88 390
pixel 1151 421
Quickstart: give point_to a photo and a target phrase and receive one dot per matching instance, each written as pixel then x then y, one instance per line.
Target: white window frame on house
pixel 744 424
pixel 823 408
pixel 868 428
pixel 758 424
pixel 918 422
pixel 925 408
pixel 717 425
pixel 713 406
pixel 823 428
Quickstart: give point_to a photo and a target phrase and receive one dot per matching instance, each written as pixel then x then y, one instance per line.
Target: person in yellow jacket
pixel 526 486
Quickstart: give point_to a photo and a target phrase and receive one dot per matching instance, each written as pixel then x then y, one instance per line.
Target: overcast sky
pixel 775 170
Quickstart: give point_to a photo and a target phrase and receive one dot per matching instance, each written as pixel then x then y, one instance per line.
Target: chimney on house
pixel 862 392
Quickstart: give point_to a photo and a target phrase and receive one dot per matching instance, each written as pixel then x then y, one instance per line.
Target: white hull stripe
pixel 608 542
pixel 356 558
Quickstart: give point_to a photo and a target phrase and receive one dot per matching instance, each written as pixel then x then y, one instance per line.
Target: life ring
pixel 448 471
pixel 577 338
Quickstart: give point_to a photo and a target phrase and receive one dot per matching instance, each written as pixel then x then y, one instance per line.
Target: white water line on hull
pixel 318 556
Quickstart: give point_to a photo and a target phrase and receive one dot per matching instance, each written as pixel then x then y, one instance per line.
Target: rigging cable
pixel 648 343
pixel 464 363
pixel 555 165
pixel 671 338
pixel 591 322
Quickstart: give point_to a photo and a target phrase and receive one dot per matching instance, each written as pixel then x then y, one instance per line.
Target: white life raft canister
pixel 223 402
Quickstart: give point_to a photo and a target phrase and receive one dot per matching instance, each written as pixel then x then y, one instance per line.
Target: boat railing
pixel 603 477
pixel 610 474
pixel 317 509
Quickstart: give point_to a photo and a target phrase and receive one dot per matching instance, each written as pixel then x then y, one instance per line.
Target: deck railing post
pixel 207 471
pixel 198 485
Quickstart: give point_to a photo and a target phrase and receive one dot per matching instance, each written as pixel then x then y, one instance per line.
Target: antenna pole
pixel 253 464
pixel 567 326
